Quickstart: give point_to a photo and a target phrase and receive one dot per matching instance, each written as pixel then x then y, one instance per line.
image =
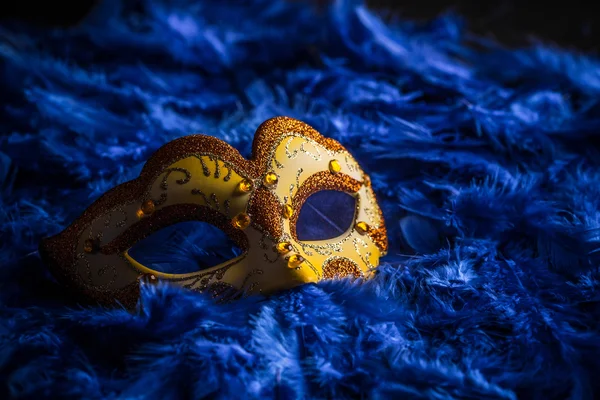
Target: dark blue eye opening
pixel 325 215
pixel 184 248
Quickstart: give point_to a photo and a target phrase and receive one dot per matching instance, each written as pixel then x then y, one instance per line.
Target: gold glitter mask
pixel 255 202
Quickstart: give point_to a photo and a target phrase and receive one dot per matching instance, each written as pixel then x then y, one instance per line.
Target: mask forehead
pixel 296 158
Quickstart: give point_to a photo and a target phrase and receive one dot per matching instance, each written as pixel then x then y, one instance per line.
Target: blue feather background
pixel 485 161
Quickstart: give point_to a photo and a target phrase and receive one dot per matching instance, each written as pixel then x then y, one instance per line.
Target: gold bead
pixel 140 214
pixel 270 179
pixel 241 221
pixel 148 207
pixel 288 211
pixel 334 166
pixel 149 278
pixel 294 261
pixel 245 186
pixel 283 247
pixel 361 227
pixel 89 246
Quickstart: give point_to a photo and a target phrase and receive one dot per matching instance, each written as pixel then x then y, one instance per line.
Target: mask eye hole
pixel 324 215
pixel 184 248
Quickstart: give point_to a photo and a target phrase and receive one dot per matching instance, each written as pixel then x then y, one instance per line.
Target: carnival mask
pixel 255 202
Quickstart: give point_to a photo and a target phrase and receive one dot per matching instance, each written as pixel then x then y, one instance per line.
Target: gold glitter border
pixel 340 267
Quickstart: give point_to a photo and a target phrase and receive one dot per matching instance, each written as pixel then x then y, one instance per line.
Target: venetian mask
pixel 255 202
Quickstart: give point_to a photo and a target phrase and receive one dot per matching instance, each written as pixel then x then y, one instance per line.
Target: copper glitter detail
pixel 341 267
pixel 379 237
pixel 323 180
pixel 171 215
pixel 264 209
pixel 379 234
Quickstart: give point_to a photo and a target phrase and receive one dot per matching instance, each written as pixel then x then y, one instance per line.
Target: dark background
pixel 513 22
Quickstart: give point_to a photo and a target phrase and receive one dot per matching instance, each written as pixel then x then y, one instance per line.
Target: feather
pixel 484 160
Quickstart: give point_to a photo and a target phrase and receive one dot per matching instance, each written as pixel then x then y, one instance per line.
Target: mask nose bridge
pixel 265 210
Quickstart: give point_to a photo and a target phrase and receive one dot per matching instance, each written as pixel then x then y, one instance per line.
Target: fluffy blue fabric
pixel 485 161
